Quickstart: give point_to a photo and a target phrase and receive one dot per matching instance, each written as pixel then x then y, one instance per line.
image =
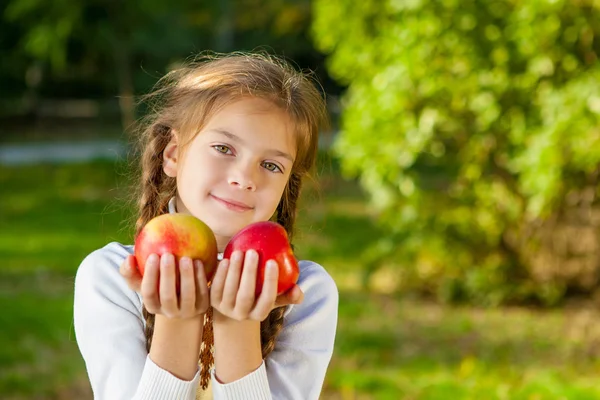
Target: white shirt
pixel 109 328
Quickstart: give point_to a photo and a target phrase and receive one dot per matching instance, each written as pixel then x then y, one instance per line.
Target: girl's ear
pixel 170 156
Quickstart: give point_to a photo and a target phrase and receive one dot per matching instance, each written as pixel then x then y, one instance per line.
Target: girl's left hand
pixel 232 292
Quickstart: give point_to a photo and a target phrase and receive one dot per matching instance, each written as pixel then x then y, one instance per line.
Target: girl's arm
pixel 237 348
pixel 296 368
pixel 178 307
pixel 109 328
pixel 237 316
pixel 176 345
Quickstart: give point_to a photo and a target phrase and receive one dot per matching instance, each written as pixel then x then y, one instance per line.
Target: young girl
pixel 228 141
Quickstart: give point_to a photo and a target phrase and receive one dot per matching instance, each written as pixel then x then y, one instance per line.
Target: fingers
pixel 246 296
pixel 149 284
pixel 292 296
pixel 166 292
pixel 218 283
pixel 232 281
pixel 233 289
pixel 266 300
pixel 187 293
pixel 131 274
pixel 174 289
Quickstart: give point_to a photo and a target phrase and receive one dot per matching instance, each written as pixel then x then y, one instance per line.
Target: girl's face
pixel 234 171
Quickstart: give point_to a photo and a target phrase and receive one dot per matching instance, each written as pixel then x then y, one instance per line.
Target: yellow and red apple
pixel 182 235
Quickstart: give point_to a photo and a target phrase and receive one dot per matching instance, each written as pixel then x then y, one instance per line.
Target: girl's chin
pixel 223 235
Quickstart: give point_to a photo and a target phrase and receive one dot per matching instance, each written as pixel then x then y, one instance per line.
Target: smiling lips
pixel 232 204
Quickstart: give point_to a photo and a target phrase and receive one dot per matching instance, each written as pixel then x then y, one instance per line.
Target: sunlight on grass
pixel 390 347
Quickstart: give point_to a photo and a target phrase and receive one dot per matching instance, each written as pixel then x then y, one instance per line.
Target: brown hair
pixel 184 100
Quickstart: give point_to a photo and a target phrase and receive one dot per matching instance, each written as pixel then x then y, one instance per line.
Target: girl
pixel 228 141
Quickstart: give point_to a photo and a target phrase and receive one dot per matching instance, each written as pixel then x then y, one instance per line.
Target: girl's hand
pixel 158 286
pixel 232 292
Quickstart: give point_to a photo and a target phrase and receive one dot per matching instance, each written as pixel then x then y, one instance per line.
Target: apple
pixel 270 241
pixel 182 235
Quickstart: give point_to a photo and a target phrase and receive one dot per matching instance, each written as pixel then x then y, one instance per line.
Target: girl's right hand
pixel 158 286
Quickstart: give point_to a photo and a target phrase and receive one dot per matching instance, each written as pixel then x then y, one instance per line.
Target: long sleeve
pixel 109 328
pixel 296 368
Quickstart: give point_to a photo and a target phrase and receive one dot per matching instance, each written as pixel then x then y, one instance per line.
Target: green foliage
pixel 73 34
pixel 51 25
pixel 94 44
pixel 468 122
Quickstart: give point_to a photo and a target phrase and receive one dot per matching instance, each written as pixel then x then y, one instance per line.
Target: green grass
pixel 388 346
pixel 53 216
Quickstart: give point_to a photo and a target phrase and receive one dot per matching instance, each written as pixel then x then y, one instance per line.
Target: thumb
pixel 292 296
pixel 131 274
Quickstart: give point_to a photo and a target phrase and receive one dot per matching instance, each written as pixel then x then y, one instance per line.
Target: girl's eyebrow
pixel 238 139
pixel 230 135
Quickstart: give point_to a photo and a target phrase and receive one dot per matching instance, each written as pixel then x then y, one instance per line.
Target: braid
pixel 156 189
pixel 206 350
pixel 269 330
pixel 286 210
pixel 153 199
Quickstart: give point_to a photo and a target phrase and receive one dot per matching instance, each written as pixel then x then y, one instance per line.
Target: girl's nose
pixel 242 179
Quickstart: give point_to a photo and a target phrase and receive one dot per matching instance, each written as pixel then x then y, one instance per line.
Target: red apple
pixel 270 240
pixel 182 235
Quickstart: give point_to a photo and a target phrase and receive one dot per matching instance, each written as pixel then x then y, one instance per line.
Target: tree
pixel 104 48
pixel 474 127
pixel 60 36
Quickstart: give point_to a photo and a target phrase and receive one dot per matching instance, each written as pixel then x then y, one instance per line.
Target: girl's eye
pixel 221 148
pixel 269 166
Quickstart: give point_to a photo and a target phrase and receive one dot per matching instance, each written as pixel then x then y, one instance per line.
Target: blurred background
pixel 456 200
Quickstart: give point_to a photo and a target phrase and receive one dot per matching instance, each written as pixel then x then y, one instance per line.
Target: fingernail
pixel 185 263
pixel 153 258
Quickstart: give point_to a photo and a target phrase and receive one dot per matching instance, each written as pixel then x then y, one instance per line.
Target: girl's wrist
pixel 182 322
pixel 219 318
pixel 237 347
pixel 222 319
pixel 176 345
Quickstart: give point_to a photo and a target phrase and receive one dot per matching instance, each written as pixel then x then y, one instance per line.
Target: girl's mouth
pixel 232 205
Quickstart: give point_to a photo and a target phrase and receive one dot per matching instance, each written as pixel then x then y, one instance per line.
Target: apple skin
pixel 270 241
pixel 182 235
